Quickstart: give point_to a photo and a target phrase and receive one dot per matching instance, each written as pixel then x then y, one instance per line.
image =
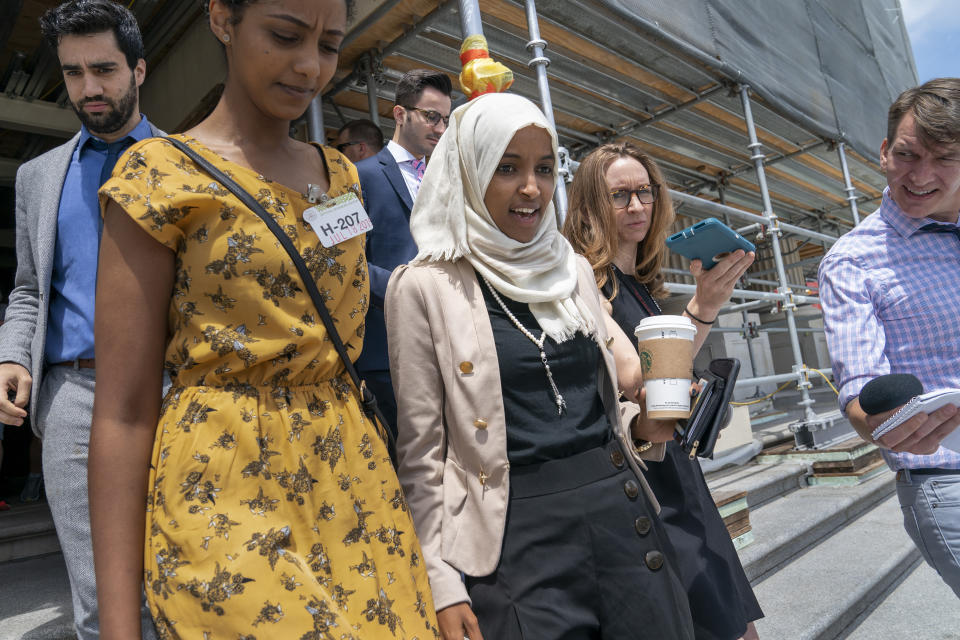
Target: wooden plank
pixel 858 473
pixel 726 496
pixel 736 533
pixel 847 466
pixel 385 30
pixel 737 520
pixel 843 480
pixel 733 507
pixel 558 36
pixel 779 449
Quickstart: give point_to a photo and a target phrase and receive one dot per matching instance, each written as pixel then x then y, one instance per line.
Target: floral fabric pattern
pixel 273 511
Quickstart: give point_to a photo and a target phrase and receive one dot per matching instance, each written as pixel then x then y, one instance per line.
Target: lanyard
pixel 632 283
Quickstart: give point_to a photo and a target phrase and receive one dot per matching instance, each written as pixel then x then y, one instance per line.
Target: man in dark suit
pixel 359 140
pixel 390 181
pixel 46 341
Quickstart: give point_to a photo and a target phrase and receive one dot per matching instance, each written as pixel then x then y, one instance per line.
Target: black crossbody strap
pixel 368 401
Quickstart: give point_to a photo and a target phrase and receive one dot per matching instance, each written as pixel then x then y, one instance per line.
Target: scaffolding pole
pixel 539 63
pixel 773 224
pixel 370 66
pixel 470 21
pixel 676 287
pixel 372 106
pixel 848 184
pixel 716 209
pixel 782 377
pixel 315 121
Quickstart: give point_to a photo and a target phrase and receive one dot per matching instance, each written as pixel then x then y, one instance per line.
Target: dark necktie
pixel 936 227
pixel 113 150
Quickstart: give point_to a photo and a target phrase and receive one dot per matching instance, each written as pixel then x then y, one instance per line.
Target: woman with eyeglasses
pixel 620 214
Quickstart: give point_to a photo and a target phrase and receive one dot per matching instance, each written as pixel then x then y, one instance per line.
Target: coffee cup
pixel 666 357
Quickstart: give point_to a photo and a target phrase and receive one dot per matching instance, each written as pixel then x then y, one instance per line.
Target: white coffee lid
pixel 665 322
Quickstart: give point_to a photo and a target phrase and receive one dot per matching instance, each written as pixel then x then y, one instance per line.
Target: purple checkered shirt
pixel 890 296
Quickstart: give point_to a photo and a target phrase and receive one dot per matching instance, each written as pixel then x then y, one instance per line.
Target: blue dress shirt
pixel 890 291
pixel 74 282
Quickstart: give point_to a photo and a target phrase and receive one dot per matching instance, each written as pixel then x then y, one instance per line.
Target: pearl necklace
pixel 561 403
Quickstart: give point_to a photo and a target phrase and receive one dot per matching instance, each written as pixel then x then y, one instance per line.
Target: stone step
pixel 35 600
pixel 786 527
pixel 762 482
pixel 27 531
pixel 819 594
pixel 922 606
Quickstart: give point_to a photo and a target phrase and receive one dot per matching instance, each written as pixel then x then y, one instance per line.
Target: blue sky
pixel 934 28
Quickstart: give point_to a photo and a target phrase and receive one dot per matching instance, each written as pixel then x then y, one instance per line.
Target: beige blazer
pixel 452 440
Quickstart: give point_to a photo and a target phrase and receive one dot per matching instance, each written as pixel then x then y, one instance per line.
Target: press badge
pixel 338 219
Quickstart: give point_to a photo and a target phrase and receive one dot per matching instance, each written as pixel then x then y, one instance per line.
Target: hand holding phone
pixel 708 241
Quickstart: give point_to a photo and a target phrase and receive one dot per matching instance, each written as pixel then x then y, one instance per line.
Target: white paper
pixel 338 220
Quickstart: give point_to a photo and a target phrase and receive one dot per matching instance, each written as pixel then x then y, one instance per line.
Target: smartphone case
pixel 709 241
pixel 710 413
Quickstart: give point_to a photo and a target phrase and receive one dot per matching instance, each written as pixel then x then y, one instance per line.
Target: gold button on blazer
pixel 455 472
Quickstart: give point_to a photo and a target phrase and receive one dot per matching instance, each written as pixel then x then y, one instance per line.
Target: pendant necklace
pixel 561 403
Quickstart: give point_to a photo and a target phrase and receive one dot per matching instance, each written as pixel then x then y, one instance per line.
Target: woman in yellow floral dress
pixel 272 507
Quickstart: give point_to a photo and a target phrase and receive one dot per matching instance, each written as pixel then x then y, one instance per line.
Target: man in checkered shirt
pixel 890 291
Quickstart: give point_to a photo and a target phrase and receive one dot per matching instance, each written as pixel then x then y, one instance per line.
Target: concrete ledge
pixel 35 602
pixel 787 527
pixel 922 606
pixel 840 578
pixel 38 116
pixel 27 531
pixel 762 482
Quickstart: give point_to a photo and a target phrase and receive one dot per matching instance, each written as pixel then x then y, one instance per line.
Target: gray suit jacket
pixel 24 332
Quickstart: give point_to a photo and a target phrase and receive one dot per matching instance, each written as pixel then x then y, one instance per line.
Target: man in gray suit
pixel 46 341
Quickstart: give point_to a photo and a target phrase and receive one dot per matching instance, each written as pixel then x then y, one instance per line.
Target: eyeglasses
pixel 432 117
pixel 646 195
pixel 344 145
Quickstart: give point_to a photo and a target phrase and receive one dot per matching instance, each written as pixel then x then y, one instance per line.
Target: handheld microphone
pixel 888 392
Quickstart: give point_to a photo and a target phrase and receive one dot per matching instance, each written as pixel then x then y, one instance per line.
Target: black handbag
pixel 697 435
pixel 368 401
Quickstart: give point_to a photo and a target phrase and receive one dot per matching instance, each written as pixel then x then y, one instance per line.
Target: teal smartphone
pixel 708 241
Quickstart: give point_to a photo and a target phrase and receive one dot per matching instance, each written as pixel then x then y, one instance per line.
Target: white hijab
pixel 449 220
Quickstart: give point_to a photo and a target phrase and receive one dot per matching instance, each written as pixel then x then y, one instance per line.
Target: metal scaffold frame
pixel 768 221
pixel 729 145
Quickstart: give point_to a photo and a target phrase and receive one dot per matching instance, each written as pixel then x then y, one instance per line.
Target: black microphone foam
pixel 889 392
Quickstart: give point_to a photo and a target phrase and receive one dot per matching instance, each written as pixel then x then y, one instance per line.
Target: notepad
pixel 926 403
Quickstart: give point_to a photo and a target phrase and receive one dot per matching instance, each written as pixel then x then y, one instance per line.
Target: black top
pixel 632 304
pixel 536 432
pixel 721 599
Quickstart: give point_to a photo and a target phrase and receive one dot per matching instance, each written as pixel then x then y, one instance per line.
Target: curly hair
pixel 591 225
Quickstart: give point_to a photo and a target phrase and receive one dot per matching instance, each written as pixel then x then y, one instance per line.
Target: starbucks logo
pixel 646 360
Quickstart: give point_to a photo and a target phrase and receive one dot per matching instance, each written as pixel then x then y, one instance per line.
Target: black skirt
pixel 721 599
pixel 583 557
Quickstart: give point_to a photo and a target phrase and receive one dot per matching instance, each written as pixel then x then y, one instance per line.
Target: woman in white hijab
pixel 521 468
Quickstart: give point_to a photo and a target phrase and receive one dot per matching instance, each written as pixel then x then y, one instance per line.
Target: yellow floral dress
pixel 273 511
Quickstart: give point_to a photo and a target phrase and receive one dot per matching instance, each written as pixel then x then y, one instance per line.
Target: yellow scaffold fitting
pixel 481 74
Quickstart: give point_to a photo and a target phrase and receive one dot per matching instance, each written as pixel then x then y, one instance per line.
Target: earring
pixel 226 38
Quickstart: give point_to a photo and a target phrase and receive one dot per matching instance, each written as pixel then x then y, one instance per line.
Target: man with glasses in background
pixel 390 181
pixel 359 140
